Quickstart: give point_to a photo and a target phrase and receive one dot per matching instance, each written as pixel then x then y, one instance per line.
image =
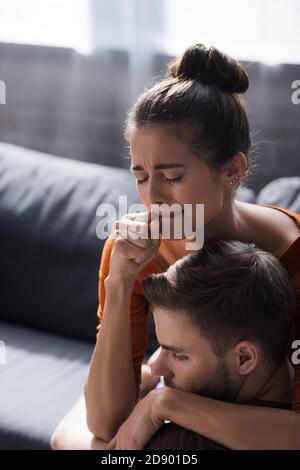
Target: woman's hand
pixel 133 246
pixel 142 424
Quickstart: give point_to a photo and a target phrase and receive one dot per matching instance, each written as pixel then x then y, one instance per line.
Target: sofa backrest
pixel 282 192
pixel 49 251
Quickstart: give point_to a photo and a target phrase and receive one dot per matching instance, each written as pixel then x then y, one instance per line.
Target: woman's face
pixel 166 171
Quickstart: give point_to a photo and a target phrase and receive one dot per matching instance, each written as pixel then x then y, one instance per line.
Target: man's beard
pixel 221 388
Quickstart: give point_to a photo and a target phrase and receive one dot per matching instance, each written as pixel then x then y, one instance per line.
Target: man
pixel 223 317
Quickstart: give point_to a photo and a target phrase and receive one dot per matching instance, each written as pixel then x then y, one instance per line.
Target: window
pixel 260 30
pixel 63 23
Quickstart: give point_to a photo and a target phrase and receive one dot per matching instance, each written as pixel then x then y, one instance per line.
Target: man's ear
pixel 246 357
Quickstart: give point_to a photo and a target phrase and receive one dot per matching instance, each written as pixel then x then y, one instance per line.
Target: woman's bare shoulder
pixel 270 228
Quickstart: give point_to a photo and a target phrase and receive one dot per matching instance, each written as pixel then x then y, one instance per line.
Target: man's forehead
pixel 174 329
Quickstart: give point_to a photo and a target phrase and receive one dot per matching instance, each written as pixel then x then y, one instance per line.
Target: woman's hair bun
pixel 210 66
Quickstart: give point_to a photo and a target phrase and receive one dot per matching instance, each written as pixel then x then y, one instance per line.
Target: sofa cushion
pixel 50 253
pixel 282 192
pixel 43 377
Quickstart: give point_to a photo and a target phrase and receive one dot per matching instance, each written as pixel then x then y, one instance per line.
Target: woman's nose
pixel 154 193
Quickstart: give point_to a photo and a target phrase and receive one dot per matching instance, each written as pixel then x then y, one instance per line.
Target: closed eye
pixel 179 357
pixel 169 180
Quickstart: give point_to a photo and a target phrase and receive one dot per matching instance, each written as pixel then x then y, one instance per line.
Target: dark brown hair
pixel 231 291
pixel 199 100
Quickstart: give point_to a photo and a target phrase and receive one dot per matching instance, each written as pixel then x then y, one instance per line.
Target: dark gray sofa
pixel 49 263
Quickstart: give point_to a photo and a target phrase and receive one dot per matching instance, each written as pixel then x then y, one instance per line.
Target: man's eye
pixel 179 357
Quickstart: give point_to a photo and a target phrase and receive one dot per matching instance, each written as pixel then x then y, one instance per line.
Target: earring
pixel 233 180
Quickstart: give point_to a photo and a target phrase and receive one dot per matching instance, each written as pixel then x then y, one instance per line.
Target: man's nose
pixel 160 366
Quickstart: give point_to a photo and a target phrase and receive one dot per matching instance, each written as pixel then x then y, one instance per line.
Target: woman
pixel 190 143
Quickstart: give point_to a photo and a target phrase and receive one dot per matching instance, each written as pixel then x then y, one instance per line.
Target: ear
pixel 246 357
pixel 235 169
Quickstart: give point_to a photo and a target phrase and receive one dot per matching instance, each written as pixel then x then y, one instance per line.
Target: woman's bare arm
pixel 72 432
pixel 239 427
pixel 110 392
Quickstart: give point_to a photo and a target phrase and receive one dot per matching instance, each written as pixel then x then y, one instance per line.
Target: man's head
pixel 222 315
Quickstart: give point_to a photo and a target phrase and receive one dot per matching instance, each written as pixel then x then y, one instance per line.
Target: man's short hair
pixel 231 291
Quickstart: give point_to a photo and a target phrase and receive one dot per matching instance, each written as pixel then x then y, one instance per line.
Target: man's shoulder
pixel 173 437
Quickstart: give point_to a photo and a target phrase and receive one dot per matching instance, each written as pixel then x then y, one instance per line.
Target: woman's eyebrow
pixel 160 166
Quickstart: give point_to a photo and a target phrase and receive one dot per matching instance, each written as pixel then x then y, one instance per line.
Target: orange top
pixel 170 251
